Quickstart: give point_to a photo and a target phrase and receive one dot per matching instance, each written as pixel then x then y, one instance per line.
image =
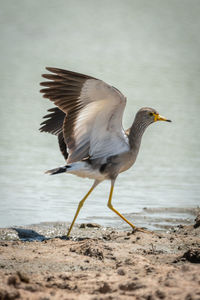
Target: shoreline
pixel 152 218
pixel 38 262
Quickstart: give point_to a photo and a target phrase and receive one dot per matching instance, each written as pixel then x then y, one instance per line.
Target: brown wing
pixel 54 124
pixel 62 145
pixel 94 109
pixel 54 121
pixel 64 83
pixel 64 90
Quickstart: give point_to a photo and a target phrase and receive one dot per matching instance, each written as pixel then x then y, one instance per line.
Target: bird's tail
pixel 58 170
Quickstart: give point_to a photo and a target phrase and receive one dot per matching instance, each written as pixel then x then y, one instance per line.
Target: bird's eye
pixel 151 114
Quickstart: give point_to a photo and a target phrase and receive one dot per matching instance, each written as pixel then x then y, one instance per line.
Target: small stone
pixel 93 252
pixel 149 297
pixel 189 297
pixel 23 277
pixel 13 280
pixel 89 225
pixel 121 272
pixel 105 288
pixel 192 255
pixel 83 225
pixel 197 221
pixel 3 244
pixel 64 277
pixel 93 225
pixel 49 278
pixel 160 294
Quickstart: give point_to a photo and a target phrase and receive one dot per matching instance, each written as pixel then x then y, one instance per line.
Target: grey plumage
pixel 88 123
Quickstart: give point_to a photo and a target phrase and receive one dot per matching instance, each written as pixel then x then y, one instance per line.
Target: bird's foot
pixel 135 229
pixel 64 237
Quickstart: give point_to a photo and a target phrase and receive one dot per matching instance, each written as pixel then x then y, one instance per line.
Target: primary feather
pixel 89 115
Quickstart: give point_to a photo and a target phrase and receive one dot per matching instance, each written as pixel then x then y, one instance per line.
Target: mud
pixel 39 262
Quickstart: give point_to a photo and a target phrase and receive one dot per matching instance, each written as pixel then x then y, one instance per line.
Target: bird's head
pixel 148 115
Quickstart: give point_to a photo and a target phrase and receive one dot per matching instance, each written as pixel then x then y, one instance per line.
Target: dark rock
pixel 64 277
pixel 83 225
pixel 160 294
pixel 149 297
pixel 92 252
pixel 192 255
pixel 89 225
pixel 107 237
pixel 13 280
pixel 50 278
pixel 121 272
pixel 197 221
pixel 105 288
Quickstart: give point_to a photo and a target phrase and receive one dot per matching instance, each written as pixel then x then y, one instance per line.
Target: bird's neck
pixel 136 132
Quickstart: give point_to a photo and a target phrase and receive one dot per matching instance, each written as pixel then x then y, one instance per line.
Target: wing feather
pixel 53 121
pixel 93 122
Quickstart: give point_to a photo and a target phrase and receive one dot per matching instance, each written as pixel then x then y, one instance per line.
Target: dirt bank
pixel 99 264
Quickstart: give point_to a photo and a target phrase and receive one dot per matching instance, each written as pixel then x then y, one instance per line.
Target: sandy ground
pixel 99 263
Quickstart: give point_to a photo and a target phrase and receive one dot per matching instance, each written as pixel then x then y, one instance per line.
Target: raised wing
pixel 53 122
pixel 93 123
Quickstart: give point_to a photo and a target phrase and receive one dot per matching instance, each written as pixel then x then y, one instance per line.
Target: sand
pixel 38 262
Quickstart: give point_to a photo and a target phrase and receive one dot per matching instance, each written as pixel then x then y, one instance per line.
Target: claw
pixel 141 230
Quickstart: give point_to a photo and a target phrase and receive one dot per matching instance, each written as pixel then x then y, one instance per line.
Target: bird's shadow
pixel 29 235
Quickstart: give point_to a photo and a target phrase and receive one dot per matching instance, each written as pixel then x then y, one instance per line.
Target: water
pixel 147 49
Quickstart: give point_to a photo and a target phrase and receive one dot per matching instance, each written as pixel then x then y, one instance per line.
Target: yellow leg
pixel 120 215
pixel 80 205
pixel 113 209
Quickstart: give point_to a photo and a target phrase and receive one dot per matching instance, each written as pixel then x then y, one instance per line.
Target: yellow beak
pixel 157 117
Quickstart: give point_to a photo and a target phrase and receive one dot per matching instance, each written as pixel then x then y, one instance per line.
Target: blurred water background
pixel 150 50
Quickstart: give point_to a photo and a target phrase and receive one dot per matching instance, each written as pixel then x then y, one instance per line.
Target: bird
pixel 87 119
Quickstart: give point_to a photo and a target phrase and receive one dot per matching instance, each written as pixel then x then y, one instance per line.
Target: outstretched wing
pixel 93 123
pixel 53 122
